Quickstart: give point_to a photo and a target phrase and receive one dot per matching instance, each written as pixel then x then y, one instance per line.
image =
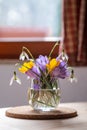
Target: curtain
pixel 75 30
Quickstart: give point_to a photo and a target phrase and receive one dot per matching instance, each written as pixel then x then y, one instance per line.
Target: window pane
pixel 42 16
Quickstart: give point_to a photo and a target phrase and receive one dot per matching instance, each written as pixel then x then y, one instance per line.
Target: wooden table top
pixel 76 123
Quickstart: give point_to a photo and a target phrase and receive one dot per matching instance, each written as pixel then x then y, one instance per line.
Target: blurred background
pixel 33 23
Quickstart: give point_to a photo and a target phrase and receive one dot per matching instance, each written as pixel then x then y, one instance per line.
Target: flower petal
pixel 11 81
pixel 18 81
pixel 23 56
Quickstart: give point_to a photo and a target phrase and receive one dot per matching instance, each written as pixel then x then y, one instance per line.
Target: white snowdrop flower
pixel 15 78
pixel 72 77
pixel 23 56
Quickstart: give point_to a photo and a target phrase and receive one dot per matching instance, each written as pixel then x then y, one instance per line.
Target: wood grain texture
pixel 26 112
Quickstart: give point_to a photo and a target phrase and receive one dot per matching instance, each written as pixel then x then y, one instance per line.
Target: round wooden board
pixel 26 112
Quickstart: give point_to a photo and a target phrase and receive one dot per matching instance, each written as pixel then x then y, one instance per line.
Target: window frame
pixel 10 48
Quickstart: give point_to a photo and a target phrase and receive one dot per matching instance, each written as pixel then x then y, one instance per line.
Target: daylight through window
pixel 34 17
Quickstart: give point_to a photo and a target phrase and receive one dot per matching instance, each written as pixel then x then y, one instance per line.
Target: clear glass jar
pixel 44 99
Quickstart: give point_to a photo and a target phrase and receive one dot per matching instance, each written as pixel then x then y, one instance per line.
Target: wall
pixel 17 94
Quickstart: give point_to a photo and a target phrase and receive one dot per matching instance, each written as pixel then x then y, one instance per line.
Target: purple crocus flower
pixel 36 86
pixel 61 71
pixel 34 72
pixel 41 62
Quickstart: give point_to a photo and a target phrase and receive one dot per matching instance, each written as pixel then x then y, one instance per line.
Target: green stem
pixel 45 103
pixel 15 75
pixel 56 44
pixel 24 48
pixel 44 80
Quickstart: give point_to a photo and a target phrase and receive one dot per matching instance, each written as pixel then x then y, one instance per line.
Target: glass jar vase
pixel 44 99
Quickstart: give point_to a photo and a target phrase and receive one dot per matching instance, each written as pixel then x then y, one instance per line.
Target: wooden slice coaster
pixel 26 112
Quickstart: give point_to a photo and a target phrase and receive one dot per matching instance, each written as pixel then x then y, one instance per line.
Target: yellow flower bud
pixel 29 64
pixel 52 64
pixel 26 66
pixel 23 69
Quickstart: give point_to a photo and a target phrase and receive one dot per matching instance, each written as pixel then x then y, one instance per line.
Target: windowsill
pixel 10 48
pixel 32 39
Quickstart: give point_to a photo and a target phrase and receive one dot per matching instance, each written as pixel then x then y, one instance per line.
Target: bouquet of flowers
pixel 44 68
pixel 45 72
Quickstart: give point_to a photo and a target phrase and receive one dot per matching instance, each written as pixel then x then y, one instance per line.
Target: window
pixel 28 19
